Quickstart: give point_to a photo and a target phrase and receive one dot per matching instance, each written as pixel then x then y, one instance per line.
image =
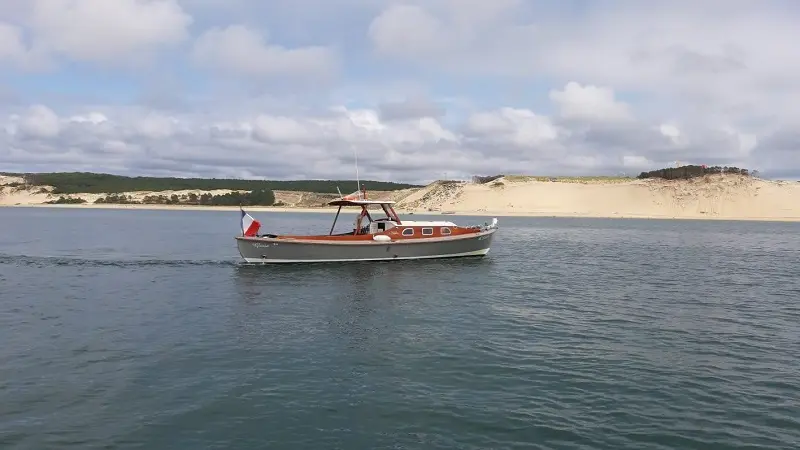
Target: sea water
pixel 142 329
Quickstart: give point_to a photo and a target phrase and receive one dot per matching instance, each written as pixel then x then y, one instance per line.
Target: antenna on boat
pixel 358 181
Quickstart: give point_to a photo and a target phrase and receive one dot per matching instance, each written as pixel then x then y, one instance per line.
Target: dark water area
pixel 143 330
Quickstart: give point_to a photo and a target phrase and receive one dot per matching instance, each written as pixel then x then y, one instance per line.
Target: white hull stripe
pixel 481 252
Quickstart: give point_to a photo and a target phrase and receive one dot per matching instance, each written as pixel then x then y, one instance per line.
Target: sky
pixel 417 90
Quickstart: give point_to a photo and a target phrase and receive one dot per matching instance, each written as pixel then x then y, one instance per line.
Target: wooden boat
pixel 372 239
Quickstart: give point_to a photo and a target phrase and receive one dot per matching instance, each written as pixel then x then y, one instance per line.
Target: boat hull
pixel 276 250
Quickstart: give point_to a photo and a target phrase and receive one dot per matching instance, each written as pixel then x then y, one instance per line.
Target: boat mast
pixel 358 181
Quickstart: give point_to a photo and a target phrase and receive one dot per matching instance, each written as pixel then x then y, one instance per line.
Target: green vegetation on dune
pixel 96 183
pixel 66 201
pixel 671 173
pixel 262 197
pixel 693 171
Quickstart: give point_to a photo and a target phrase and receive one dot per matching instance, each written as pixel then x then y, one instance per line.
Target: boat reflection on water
pixel 356 302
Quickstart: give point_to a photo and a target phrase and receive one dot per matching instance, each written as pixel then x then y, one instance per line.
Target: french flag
pixel 250 225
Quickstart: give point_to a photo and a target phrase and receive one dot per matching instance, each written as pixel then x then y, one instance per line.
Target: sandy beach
pixel 713 197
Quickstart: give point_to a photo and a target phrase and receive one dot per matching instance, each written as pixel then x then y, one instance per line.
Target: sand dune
pixel 710 197
pixel 13 191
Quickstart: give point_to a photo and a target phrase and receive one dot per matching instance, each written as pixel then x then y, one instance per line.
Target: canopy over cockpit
pixel 386 205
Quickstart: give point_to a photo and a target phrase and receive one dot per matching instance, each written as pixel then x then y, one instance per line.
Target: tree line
pixel 692 171
pixel 260 197
pixel 101 183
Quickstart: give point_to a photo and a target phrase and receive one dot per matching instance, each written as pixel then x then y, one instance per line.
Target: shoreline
pixel 402 212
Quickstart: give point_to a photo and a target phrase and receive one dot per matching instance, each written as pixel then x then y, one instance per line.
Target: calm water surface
pixel 141 329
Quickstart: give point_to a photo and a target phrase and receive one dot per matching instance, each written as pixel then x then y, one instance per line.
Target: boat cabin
pixel 390 225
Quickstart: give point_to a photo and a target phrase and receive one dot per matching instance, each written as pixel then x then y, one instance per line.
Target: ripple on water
pixel 579 334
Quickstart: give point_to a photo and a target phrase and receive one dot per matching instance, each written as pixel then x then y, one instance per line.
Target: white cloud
pixel 39 122
pixel 92 117
pixel 285 130
pixel 509 126
pixel 390 32
pixel 410 108
pixel 157 126
pixel 505 140
pixel 418 86
pixel 241 50
pixel 16 53
pixel 589 103
pixel 12 47
pixel 104 31
pixel 716 63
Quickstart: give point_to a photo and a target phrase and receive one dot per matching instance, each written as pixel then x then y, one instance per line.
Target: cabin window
pixel 408 232
pixel 445 230
pixel 427 231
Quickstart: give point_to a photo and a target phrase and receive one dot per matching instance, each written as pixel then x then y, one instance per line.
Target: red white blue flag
pixel 250 225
